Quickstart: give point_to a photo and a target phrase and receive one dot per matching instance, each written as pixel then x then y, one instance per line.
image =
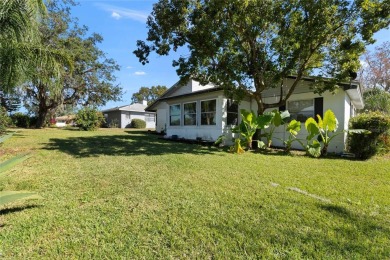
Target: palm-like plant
pixel 21 51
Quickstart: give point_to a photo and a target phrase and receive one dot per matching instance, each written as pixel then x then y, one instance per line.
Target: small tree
pixel 89 119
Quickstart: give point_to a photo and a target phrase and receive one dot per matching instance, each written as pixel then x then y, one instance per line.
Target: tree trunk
pixel 42 113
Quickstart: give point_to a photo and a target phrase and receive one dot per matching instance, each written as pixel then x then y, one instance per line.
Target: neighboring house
pixel 193 111
pixel 121 116
pixel 63 121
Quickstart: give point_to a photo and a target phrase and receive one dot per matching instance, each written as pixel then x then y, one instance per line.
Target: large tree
pixel 375 72
pixel 148 94
pixel 91 82
pixel 247 46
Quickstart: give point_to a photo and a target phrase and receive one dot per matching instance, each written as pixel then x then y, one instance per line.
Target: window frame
pixel 215 112
pixel 295 115
pixel 196 113
pixel 236 113
pixel 179 115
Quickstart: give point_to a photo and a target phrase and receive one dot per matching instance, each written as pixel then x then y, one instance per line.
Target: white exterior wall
pixel 127 116
pixel 196 86
pixel 206 132
pixel 336 102
pixel 339 103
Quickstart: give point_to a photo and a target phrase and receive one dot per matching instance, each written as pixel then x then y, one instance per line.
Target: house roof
pixel 353 89
pixel 130 108
pixel 152 106
pixel 167 94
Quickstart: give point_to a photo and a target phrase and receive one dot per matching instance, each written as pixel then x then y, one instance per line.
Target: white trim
pixel 215 112
pixel 169 114
pixel 196 113
pixel 298 100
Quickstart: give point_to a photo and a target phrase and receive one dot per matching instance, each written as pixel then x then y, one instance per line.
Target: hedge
pixel 365 146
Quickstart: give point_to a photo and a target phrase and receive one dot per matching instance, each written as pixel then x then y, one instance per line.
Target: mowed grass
pixel 126 194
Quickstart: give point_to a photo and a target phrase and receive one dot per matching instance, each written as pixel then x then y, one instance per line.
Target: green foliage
pixel 21 49
pixel 8 164
pixel 11 196
pixel 5 137
pixel 365 145
pixel 114 123
pixel 252 46
pixel 4 120
pixel 138 123
pixel 293 129
pixel 250 123
pixel 313 148
pixel 22 120
pixel 325 129
pixel 377 100
pixel 10 101
pixel 90 83
pixel 148 94
pixel 89 119
pixel 278 119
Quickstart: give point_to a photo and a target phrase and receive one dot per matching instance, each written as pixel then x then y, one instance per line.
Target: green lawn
pixel 121 194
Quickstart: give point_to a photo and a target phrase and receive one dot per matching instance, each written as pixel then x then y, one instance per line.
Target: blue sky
pixel 122 23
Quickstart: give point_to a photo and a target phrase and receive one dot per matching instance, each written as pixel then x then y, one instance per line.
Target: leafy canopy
pixel 248 46
pixel 90 82
pixel 148 94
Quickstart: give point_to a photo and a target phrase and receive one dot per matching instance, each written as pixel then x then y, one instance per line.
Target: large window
pixel 190 113
pixel 301 110
pixel 208 109
pixel 232 112
pixel 174 114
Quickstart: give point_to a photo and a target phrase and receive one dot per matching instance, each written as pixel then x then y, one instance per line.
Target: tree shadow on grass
pixel 133 143
pixel 16 209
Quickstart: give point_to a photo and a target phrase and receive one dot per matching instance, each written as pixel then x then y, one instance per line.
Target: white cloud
pixel 140 73
pixel 129 67
pixel 120 12
pixel 116 16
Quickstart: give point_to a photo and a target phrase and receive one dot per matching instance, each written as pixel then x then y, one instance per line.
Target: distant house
pixel 194 111
pixel 121 116
pixel 63 121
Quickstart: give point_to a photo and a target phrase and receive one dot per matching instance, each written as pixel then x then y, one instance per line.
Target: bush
pixel 138 123
pixel 4 120
pixel 366 145
pixel 89 119
pixel 21 120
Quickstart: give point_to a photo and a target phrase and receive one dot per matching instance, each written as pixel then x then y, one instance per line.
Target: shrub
pixel 114 123
pixel 89 119
pixel 21 120
pixel 4 120
pixel 366 145
pixel 138 123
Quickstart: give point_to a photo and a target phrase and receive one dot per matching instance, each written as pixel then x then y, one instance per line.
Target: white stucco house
pixel 194 111
pixel 122 116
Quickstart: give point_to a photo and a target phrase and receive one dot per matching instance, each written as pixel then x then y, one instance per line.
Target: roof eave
pixel 354 93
